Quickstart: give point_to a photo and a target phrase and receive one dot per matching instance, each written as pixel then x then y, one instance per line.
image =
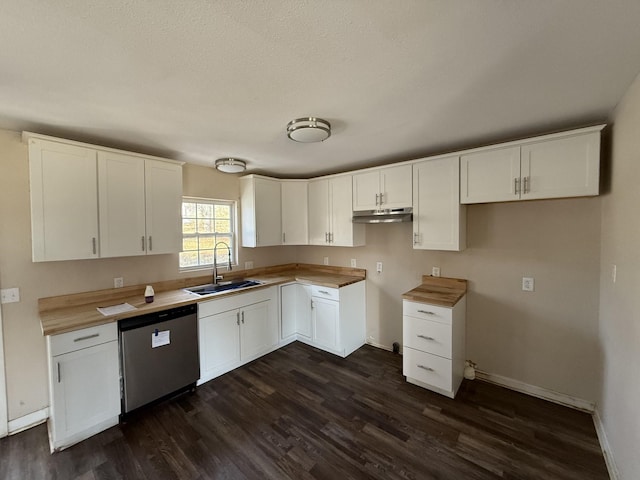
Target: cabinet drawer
pixel 427 368
pixel 325 292
pixel 427 312
pixel 79 339
pixel 427 336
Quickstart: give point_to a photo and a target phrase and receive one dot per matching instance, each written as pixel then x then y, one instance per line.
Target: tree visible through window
pixel 206 223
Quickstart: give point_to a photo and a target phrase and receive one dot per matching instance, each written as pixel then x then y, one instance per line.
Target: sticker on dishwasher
pixel 158 339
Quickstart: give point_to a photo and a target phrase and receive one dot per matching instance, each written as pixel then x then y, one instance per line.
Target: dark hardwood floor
pixel 304 414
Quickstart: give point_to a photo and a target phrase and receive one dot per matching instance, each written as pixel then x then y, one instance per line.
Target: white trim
pixel 30 420
pixel 612 468
pixel 378 345
pixel 539 392
pixel 4 420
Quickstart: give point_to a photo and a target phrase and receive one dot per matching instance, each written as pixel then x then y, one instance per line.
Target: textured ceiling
pixel 198 80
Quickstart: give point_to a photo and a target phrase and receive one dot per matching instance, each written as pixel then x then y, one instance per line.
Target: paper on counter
pixel 115 309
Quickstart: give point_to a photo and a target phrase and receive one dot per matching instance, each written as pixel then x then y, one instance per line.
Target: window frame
pixel 234 230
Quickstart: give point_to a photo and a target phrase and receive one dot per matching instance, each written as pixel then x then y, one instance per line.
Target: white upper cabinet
pixel 384 188
pixel 439 221
pixel 90 202
pixel 295 224
pixel 64 201
pixel 554 166
pixel 330 212
pixel 260 205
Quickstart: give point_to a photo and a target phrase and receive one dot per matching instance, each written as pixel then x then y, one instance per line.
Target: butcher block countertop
pixel 67 313
pixel 441 291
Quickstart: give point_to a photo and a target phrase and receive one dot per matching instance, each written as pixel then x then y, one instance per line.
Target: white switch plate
pixel 435 271
pixel 118 282
pixel 379 267
pixel 9 295
pixel 326 260
pixel 248 265
pixel 527 284
pixel 614 272
pixel 353 263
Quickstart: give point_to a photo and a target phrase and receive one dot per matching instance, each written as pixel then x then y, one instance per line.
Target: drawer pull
pixel 58 364
pixel 428 369
pixel 323 291
pixel 80 339
pixel 426 312
pixel 425 337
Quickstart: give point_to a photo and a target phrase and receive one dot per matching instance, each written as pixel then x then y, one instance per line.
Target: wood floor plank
pixel 300 413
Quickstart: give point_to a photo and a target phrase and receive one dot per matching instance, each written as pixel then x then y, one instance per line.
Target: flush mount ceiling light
pixel 230 165
pixel 308 130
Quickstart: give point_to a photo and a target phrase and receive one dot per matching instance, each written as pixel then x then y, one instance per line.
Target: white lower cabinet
pixel 235 330
pixel 434 345
pixel 84 384
pixel 332 319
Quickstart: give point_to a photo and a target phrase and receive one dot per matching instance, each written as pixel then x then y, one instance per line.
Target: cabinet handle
pixel 323 291
pixel 377 199
pixel 415 239
pixel 59 377
pixel 326 237
pixel 142 243
pixel 150 244
pixel 425 337
pixel 93 243
pixel 80 339
pixel 331 238
pixel 516 186
pixel 243 316
pixel 237 318
pixel 381 196
pixel 424 367
pixel 526 185
pixel 284 237
pixel 312 305
pixel 426 312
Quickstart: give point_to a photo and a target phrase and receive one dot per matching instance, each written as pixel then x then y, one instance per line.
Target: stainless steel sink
pixel 211 288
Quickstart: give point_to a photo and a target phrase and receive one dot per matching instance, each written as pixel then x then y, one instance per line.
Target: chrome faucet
pixel 217 277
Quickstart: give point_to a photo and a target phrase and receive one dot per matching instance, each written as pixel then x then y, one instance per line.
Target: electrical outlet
pixel 379 267
pixel 614 272
pixel 527 284
pixel 435 271
pixel 353 263
pixel 9 295
pixel 326 260
pixel 118 282
pixel 248 265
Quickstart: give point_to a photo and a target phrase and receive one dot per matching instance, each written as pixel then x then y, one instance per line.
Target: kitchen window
pixel 205 223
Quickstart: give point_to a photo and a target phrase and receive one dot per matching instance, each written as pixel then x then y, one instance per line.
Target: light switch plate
pixel 379 267
pixel 118 282
pixel 435 271
pixel 248 265
pixel 353 263
pixel 10 295
pixel 326 260
pixel 527 284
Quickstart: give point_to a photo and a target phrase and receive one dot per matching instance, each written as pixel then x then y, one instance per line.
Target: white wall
pixel 619 392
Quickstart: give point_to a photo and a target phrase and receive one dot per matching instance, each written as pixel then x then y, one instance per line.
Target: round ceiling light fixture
pixel 230 165
pixel 308 130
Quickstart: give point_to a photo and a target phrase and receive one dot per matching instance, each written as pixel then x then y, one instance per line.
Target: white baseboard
pixel 614 473
pixel 378 345
pixel 30 420
pixel 539 392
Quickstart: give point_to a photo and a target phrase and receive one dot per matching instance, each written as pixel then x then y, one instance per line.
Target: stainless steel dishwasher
pixel 158 355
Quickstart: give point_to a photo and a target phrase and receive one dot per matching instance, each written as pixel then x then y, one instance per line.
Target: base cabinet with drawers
pixel 84 384
pixel 434 345
pixel 331 319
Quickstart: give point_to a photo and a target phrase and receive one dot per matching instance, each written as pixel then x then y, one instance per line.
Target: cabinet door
pixel 318 212
pixel 343 232
pixel 295 226
pixel 121 205
pixel 163 202
pixel 268 213
pixel 325 316
pixel 219 342
pixel 303 311
pixel 85 389
pixel 288 310
pixel 439 221
pixel 490 176
pixel 366 190
pixel 564 167
pixel 257 332
pixel 395 187
pixel 64 201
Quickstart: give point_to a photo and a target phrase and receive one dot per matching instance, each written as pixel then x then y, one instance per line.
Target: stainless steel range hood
pixel 391 215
